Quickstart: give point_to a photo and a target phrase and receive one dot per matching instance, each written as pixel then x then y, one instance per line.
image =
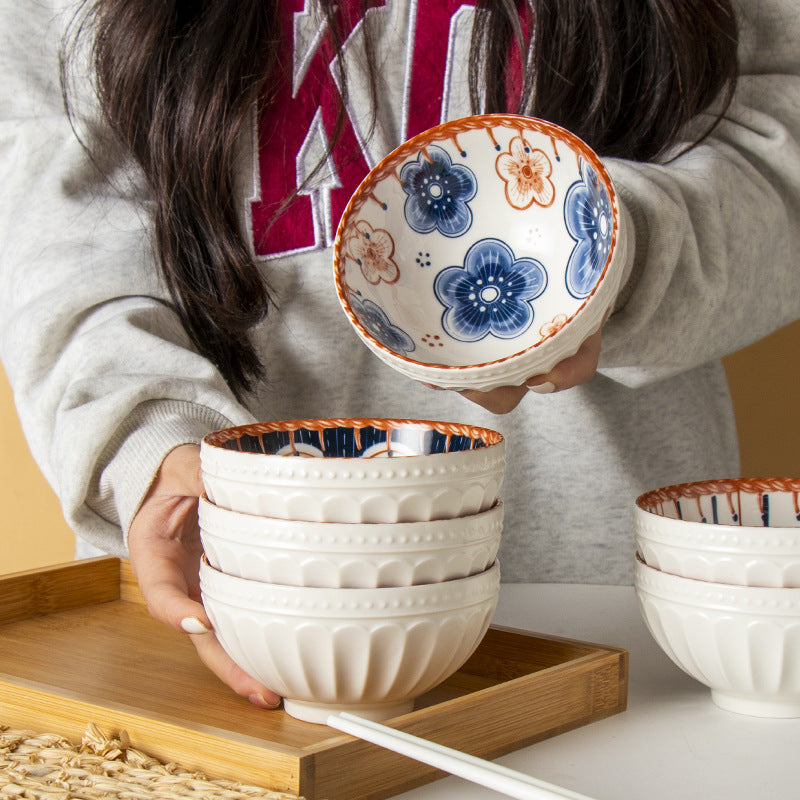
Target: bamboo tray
pixel 77 646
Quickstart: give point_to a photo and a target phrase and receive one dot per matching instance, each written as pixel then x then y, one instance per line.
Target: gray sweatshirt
pixel 106 382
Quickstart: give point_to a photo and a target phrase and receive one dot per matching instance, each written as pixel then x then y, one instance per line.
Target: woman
pixel 141 261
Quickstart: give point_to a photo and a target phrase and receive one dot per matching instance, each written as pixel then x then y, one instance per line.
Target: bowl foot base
pixel 319 712
pixel 777 708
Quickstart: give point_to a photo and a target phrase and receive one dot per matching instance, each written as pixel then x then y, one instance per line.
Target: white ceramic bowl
pixel 370 651
pixel 743 642
pixel 740 531
pixel 480 252
pixel 350 555
pixel 354 470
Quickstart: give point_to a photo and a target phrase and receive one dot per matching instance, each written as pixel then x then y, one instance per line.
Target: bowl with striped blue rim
pixel 742 531
pixel 354 470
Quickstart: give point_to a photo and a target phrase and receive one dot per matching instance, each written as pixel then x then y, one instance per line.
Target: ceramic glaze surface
pixel 742 642
pixel 740 531
pixel 392 477
pixel 475 242
pixel 349 555
pixel 371 651
pixel 353 438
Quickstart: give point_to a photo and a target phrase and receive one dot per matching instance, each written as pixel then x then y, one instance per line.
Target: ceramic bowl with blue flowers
pixel 480 252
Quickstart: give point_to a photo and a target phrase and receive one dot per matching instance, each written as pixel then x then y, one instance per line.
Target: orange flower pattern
pixel 526 172
pixel 373 250
pixel 554 326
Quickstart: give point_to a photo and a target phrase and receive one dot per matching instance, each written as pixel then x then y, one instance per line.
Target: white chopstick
pixel 477 770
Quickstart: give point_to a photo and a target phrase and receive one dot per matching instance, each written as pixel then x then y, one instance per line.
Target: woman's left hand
pixel 165 549
pixel 573 371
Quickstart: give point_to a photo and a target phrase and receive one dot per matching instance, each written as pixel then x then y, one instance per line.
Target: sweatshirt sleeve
pixel 104 379
pixel 713 246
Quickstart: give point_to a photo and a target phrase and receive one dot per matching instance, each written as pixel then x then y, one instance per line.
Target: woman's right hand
pixel 572 371
pixel 165 548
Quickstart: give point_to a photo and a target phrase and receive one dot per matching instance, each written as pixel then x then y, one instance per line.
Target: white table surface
pixel 672 742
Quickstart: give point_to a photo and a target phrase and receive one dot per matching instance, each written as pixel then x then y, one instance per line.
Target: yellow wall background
pixel 763 379
pixel 32 530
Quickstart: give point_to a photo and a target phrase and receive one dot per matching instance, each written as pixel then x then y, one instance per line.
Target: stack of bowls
pixel 350 564
pixel 718 583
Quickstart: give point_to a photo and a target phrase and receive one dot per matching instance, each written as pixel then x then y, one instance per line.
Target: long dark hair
pixel 176 80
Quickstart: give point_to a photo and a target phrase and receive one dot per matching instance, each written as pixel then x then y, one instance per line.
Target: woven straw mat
pixel 49 767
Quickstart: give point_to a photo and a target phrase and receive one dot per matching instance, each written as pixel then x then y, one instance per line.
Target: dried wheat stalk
pixel 49 767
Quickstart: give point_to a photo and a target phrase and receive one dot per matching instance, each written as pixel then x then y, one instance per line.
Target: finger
pixel 220 663
pixel 166 592
pixel 498 401
pixel 169 603
pixel 571 371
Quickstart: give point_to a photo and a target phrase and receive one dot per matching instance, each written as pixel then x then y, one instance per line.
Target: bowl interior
pixel 475 240
pixel 761 502
pixel 353 438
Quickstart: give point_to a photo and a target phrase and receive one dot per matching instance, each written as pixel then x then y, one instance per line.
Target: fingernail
pixel 258 700
pixel 193 625
pixel 543 388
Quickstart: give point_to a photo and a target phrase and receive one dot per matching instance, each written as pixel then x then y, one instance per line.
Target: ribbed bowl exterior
pixel 350 648
pixel 379 492
pixel 741 642
pixel 349 555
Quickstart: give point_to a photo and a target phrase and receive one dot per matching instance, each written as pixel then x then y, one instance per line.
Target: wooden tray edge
pixel 509 720
pixel 312 772
pixel 61 587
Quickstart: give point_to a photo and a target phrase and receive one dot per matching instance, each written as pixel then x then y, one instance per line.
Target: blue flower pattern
pixel 589 220
pixel 490 294
pixel 438 193
pixel 374 319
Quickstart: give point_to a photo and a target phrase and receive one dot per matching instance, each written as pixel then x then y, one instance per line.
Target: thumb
pixel 168 599
pixel 180 472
